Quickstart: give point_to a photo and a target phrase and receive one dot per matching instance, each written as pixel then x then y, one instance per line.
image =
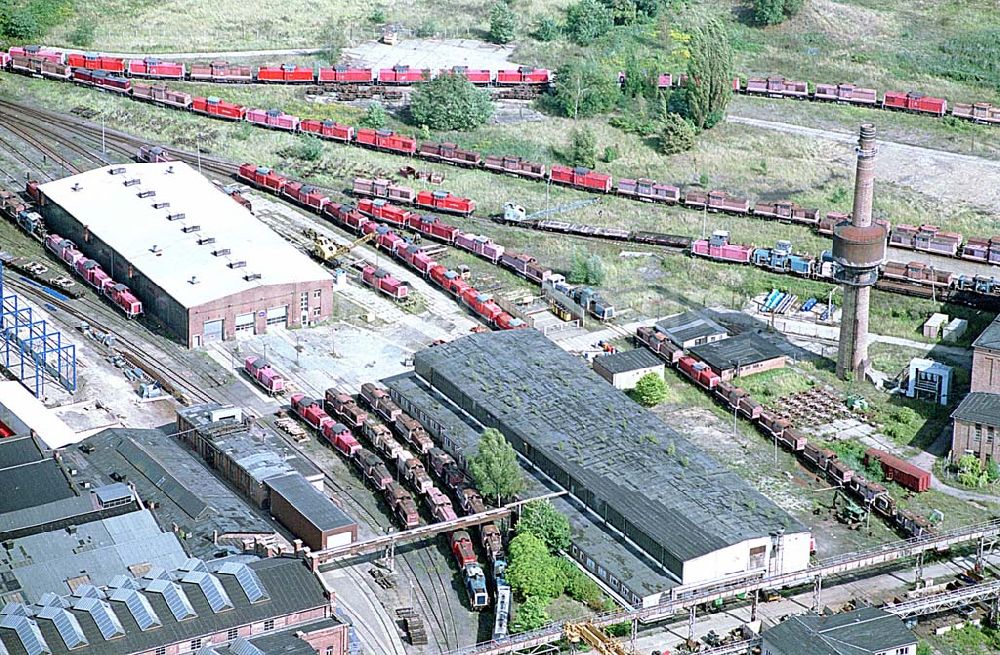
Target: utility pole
pixel 104 150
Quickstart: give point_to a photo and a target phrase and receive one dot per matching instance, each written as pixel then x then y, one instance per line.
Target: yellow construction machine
pixel 594 637
pixel 330 252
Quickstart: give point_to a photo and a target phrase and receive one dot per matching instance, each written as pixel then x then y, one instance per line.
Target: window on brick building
pixel 269 624
pixel 990 432
pixel 195 644
pixel 233 633
pixel 329 650
pixel 160 650
pixel 318 293
pixel 978 432
pixel 317 311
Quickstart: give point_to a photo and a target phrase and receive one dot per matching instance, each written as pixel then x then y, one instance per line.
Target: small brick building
pixel 624 369
pixel 976 427
pixel 741 355
pixel 986 359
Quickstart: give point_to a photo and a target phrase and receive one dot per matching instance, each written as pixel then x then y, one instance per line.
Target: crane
pixel 329 252
pixel 594 637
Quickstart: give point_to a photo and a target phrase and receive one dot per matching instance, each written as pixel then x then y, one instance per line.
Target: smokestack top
pixel 866 141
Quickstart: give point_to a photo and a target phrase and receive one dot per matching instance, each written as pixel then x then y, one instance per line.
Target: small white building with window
pixel 865 631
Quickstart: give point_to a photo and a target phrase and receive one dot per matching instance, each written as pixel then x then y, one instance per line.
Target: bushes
pixel 503 23
pixel 586 270
pixel 675 134
pixel 587 20
pixel 583 150
pixel 533 571
pixel 29 20
pixel 650 390
pixel 579 586
pixel 530 614
pixel 450 102
pixel 584 88
pixel 547 29
pixel 375 116
pixel 772 12
pixel 541 519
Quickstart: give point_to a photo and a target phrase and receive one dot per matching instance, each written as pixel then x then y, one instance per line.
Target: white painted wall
pixel 736 559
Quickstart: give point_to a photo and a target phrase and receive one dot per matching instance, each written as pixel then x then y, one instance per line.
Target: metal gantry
pixel 30 349
pixel 946 600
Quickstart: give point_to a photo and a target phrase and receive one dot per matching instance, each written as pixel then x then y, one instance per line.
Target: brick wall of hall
pixel 985 370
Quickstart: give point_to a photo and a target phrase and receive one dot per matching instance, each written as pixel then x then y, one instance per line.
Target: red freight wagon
pixel 514 165
pixel 161 93
pixel 900 471
pixel 219 108
pixel 400 74
pixel 846 93
pixel 152 67
pixel 328 129
pixel 476 76
pixel 449 152
pixel 523 75
pixel 387 140
pixel 913 101
pixel 96 62
pixel 38 52
pixel 221 71
pixel 343 74
pixel 285 73
pixel 263 177
pixel 581 177
pixel 433 227
pixel 102 79
pixel 444 201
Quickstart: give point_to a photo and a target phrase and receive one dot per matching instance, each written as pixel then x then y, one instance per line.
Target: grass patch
pixel 770 386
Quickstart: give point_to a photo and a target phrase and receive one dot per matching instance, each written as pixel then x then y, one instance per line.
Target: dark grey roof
pixel 979 407
pixel 627 360
pixel 15 451
pixel 282 643
pixel 156 473
pixel 687 326
pixel 32 485
pixel 747 348
pixel 990 337
pixel 292 588
pixel 312 504
pixel 110 493
pixel 678 497
pixel 859 632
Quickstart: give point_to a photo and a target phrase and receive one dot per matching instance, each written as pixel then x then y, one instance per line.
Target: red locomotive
pixel 219 108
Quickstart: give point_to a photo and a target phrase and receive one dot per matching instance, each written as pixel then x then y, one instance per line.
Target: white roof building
pixel 199 261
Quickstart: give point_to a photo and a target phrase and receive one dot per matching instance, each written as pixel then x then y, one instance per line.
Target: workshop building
pixel 741 355
pixel 199 262
pixel 223 606
pixel 625 368
pixel 691 329
pixel 976 427
pixel 310 514
pixel 865 631
pixel 986 359
pixel 640 476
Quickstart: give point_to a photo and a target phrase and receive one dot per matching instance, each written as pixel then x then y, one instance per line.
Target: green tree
pixel 585 88
pixel 450 102
pixel 583 150
pixel 675 134
pixel 532 570
pixel 595 270
pixel 587 20
pixel 710 72
pixel 923 648
pixel 623 12
pixel 21 25
pixel 992 471
pixel 530 615
pixel 793 7
pixel 309 148
pixel 547 29
pixel 82 35
pixel 768 12
pixel 541 519
pixel 503 23
pixel 375 116
pixel 970 471
pixel 494 467
pixel 580 586
pixel 578 268
pixel 335 38
pixel 650 390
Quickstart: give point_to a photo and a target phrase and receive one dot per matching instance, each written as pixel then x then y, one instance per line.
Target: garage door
pixel 277 315
pixel 338 539
pixel 245 322
pixel 213 330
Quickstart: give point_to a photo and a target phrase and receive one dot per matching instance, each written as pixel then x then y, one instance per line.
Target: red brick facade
pixel 985 370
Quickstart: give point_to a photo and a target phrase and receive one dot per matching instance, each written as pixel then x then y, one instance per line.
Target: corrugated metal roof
pixel 863 631
pixel 979 407
pixel 645 470
pixel 685 327
pixel 627 360
pixel 743 349
pixel 990 337
pixel 187 500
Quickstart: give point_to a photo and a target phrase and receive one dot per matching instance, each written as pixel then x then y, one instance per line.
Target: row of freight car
pixel 368 214
pixel 34 58
pixel 24 216
pixel 23 57
pixel 929 238
pixel 409 467
pixel 781 259
pixel 872 495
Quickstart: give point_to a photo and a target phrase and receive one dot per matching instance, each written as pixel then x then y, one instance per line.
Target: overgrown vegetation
pixel 450 102
pixel 503 23
pixel 710 74
pixel 586 269
pixel 29 20
pixel 650 390
pixel 584 87
pixel 494 467
pixel 375 116
pixel 976 474
pixel 541 519
pixel 772 12
pixel 583 150
pixel 852 453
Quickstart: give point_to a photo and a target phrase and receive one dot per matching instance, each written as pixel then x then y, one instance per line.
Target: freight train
pixel 92 273
pixel 48 61
pixel 443 468
pixel 823 460
pixel 924 237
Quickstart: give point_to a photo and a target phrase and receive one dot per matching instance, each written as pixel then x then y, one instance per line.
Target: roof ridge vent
pixel 156 249
pixel 132 182
pixel 170 169
pixel 193 280
pixel 117 170
pixel 204 241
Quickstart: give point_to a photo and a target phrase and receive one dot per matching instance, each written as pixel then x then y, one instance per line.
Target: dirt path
pixel 938 173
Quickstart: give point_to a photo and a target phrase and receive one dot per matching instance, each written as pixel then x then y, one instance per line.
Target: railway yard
pixel 305 380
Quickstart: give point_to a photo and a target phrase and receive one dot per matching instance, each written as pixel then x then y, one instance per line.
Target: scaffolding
pixel 31 351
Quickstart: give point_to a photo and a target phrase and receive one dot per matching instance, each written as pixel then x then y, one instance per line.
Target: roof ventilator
pixel 132 182
pixel 160 205
pixel 156 250
pixel 204 241
pixel 187 229
pixel 221 252
pixel 149 193
pixel 238 264
pixel 170 169
pixel 76 186
pixel 118 170
pixel 250 277
pixel 193 280
pixel 175 217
